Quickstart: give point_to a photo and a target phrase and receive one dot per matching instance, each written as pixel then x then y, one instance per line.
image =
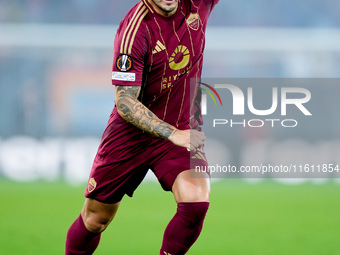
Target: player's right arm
pixel 134 112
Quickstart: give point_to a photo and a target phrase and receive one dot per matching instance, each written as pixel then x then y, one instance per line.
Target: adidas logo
pixel 159 47
pixel 199 155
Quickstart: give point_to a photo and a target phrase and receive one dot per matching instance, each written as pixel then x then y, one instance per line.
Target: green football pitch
pixel 266 218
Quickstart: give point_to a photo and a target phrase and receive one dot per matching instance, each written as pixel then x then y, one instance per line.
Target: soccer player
pixel 155 123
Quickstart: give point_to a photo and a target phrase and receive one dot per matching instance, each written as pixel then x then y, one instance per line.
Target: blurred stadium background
pixel 55 99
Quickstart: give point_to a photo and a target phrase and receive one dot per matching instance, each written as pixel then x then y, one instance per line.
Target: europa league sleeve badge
pixel 124 63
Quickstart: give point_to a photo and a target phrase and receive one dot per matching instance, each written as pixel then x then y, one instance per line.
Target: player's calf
pixel 80 240
pixel 184 228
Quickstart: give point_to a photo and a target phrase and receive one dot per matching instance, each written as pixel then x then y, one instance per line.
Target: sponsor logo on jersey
pixel 159 47
pixel 180 58
pixel 124 63
pixel 92 185
pixel 193 21
pixel 120 76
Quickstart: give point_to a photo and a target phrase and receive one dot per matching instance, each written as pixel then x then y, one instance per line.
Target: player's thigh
pixel 187 188
pixel 97 215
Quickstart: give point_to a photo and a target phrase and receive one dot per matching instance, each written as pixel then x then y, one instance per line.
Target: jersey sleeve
pixel 130 49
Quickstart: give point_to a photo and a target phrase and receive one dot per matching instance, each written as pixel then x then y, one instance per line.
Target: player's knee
pixel 187 189
pixel 203 195
pixel 193 213
pixel 95 224
pixel 97 215
pixel 200 197
pixel 196 195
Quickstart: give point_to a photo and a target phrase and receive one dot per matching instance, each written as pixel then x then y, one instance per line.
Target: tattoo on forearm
pixel 134 112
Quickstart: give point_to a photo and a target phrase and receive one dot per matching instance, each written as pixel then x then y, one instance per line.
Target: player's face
pixel 166 7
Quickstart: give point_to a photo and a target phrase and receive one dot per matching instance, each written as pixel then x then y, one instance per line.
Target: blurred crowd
pixel 299 13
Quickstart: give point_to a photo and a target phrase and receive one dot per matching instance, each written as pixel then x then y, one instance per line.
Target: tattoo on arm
pixel 134 112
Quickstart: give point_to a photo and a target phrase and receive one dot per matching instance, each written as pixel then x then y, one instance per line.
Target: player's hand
pixel 190 139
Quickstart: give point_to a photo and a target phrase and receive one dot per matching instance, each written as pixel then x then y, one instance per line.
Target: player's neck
pixel 160 11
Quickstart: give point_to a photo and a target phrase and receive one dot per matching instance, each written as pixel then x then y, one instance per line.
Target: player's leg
pixel 192 197
pixel 84 234
pixel 97 215
pixel 187 188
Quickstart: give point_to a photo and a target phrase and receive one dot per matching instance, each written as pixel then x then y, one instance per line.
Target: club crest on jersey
pixel 92 185
pixel 193 21
pixel 124 63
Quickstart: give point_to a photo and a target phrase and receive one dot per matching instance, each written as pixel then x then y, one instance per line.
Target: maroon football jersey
pixel 162 54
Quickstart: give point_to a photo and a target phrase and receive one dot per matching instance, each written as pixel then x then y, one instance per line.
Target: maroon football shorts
pixel 124 158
